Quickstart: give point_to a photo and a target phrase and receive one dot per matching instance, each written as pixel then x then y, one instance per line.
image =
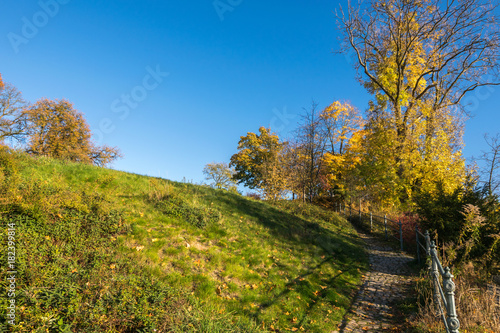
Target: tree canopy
pixel 57 130
pixel 12 117
pixel 254 149
pixel 221 176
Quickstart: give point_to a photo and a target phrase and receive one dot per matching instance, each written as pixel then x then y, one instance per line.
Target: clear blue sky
pixel 174 84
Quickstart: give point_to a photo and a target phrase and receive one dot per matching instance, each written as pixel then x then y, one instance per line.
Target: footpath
pixel 387 282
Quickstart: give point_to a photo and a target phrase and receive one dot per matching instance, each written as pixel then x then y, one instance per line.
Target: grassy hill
pixel 99 250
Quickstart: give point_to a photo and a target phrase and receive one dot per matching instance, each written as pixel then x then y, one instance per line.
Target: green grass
pixel 109 251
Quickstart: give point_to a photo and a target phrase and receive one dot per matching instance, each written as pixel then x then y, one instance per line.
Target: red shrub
pixel 409 221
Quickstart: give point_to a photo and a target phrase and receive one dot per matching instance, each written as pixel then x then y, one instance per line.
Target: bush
pixel 409 222
pixel 8 169
pixel 467 221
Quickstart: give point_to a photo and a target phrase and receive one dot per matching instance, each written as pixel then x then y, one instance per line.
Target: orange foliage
pixel 57 130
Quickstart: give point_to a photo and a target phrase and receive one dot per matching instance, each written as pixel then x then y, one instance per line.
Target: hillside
pixel 99 250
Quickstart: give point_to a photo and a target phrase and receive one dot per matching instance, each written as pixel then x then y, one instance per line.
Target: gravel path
pixel 387 281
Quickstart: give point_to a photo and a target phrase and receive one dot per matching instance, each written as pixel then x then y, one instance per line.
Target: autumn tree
pixel 254 150
pixel 57 130
pixel 12 117
pixel 377 171
pixel 221 176
pixel 419 58
pixel 423 55
pixel 296 169
pixel 339 121
pixel 279 173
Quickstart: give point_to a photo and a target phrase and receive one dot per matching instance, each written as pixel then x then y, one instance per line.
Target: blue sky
pixel 174 84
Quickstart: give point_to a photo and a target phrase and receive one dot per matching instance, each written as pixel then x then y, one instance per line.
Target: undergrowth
pixel 476 306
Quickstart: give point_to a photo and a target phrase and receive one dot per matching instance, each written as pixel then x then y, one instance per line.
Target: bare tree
pixel 12 116
pixel 311 147
pixel 491 171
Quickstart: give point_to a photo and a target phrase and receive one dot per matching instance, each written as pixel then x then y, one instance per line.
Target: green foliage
pixel 467 220
pixel 221 176
pixel 8 168
pixel 440 212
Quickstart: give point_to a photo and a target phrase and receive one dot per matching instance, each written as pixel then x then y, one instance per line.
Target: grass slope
pixel 100 250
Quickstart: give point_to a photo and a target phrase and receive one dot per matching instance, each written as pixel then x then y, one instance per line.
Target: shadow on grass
pixel 344 250
pixel 315 298
pixel 295 229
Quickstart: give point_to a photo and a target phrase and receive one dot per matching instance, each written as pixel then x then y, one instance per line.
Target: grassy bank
pixel 100 250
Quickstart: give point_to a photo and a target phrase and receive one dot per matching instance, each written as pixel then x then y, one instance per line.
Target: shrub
pixel 409 222
pixel 8 169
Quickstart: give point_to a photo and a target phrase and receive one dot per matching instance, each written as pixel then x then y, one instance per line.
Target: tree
pixel 420 58
pixel 253 151
pixel 311 147
pixel 57 130
pixel 279 173
pixel 221 176
pixel 416 53
pixel 12 117
pixel 491 172
pixel 339 121
pixel 342 170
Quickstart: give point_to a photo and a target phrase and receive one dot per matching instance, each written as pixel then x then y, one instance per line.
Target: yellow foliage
pixel 254 150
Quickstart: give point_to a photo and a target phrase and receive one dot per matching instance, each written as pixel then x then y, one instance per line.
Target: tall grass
pixel 476 304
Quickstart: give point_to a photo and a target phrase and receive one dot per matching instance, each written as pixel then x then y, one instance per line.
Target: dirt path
pixel 387 282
